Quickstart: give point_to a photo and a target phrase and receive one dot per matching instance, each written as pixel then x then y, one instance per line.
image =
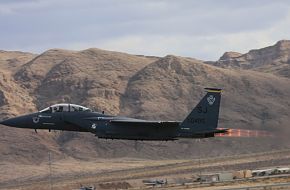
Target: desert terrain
pixel 112 173
pixel 256 86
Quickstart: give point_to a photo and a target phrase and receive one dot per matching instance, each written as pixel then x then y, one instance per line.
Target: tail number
pixel 196 120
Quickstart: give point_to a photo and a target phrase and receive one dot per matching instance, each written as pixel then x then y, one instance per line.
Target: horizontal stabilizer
pixel 215 131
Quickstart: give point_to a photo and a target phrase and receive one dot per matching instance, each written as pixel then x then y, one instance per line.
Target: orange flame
pixel 244 133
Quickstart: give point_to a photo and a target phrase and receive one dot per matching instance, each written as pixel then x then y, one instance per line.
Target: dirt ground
pixel 129 173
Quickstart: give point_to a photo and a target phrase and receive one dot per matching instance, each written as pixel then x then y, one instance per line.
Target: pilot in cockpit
pixel 55 109
pixel 64 108
pixel 60 109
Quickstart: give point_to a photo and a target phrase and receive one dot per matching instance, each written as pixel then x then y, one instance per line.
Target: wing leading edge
pixel 146 123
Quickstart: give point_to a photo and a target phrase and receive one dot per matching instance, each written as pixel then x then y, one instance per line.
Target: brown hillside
pixel 92 77
pixel 14 100
pixel 171 86
pixel 144 87
pixel 12 60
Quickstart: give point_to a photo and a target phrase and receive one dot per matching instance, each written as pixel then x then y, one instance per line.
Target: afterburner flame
pixel 244 133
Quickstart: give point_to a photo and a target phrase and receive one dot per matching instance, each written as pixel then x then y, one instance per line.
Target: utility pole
pixel 199 159
pixel 50 173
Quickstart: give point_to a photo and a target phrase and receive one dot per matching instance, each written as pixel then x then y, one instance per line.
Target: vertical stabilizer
pixel 204 117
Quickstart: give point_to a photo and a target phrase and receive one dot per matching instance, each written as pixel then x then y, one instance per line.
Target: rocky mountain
pixel 274 59
pixel 256 88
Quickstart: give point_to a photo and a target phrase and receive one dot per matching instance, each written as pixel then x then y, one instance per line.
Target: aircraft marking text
pixel 197 120
pixel 201 109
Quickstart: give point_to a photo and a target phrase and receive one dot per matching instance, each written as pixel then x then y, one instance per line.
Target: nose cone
pixel 19 122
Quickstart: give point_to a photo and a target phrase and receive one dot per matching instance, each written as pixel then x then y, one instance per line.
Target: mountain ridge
pixel 147 87
pixel 273 59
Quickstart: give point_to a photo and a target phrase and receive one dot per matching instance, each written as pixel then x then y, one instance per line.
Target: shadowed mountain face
pixel 256 88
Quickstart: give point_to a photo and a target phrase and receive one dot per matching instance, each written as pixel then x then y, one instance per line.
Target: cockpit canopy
pixel 65 108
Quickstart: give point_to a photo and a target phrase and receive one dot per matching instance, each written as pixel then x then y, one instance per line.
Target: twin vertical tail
pixel 203 119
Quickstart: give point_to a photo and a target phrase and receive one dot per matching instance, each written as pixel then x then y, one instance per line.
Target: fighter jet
pixel 201 122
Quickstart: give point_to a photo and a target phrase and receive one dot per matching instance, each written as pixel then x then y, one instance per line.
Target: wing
pixel 136 122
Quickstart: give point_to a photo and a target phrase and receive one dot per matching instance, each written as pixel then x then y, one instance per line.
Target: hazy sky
pixel 202 29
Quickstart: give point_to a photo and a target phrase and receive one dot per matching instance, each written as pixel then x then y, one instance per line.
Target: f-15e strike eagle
pixel 202 122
